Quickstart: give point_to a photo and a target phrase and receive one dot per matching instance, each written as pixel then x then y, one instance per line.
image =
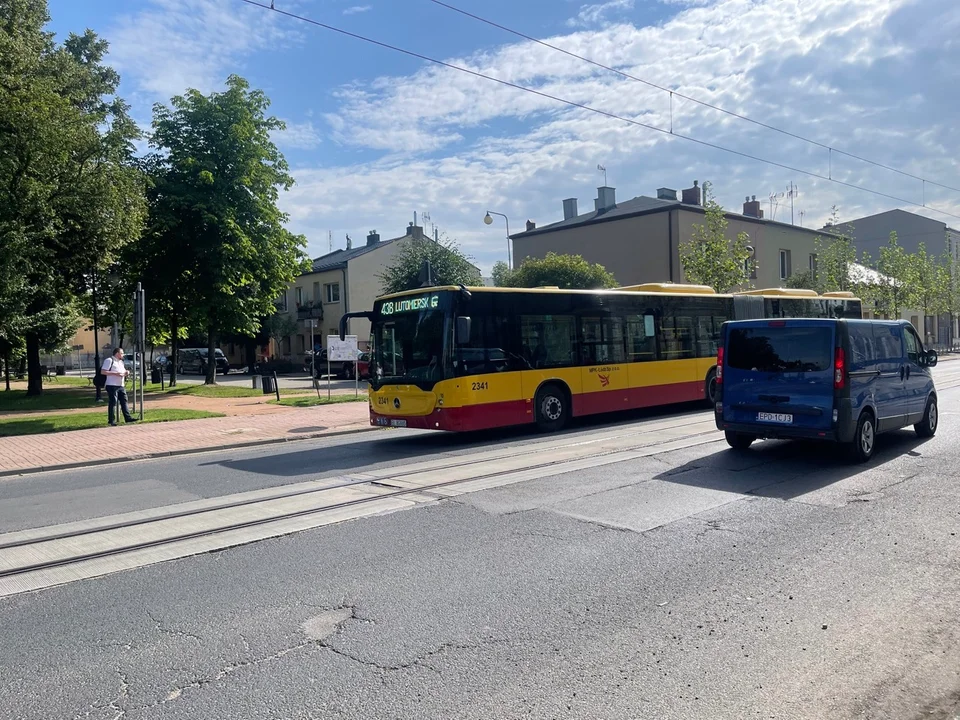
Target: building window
pixel 784 264
pixel 301 344
pixel 299 296
pixel 282 302
pixel 332 292
pixel 316 293
pixel 813 264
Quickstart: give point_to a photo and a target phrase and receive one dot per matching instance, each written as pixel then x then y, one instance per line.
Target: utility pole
pixel 96 341
pixel 792 192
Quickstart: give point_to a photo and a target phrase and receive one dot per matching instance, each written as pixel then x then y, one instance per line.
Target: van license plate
pixel 398 423
pixel 775 418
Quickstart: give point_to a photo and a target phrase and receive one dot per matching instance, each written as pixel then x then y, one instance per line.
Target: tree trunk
pixel 174 352
pixel 6 366
pixel 34 379
pixel 211 357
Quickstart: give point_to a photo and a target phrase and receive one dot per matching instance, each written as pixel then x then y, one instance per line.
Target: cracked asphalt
pixel 783 583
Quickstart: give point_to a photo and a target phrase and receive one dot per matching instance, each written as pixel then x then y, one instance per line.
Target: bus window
pixel 676 337
pixel 641 338
pixel 486 352
pixel 602 340
pixel 548 340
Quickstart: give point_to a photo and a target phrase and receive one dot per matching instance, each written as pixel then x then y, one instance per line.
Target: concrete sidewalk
pixel 98 446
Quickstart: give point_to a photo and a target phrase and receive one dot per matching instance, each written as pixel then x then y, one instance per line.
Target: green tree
pixel 896 289
pixel 835 256
pixel 217 235
pixel 711 258
pixel 501 274
pixel 563 271
pixel 929 284
pixel 69 193
pixel 804 280
pixel 448 264
pixel 279 326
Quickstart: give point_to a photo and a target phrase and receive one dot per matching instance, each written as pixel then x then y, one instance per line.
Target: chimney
pixel 569 208
pixel 606 199
pixel 415 231
pixel 666 194
pixel 751 208
pixel 531 225
pixel 373 238
pixel 691 196
pixel 349 243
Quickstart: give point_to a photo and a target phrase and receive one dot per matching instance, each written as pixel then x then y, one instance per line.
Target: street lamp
pixel 489 221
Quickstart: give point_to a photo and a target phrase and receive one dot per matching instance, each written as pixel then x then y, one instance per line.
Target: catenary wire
pixel 572 103
pixel 678 94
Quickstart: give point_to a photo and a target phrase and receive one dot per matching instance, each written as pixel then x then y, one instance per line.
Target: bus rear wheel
pixel 552 408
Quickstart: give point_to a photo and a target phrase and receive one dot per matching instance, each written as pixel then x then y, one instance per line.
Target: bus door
pixel 604 375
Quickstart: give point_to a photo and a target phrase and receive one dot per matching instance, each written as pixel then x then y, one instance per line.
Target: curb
pixel 188 451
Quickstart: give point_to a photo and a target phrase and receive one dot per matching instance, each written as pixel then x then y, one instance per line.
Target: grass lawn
pixel 311 400
pixel 53 398
pixel 222 391
pixel 85 421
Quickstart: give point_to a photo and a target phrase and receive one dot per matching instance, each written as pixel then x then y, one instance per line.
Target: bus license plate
pixel 398 423
pixel 775 418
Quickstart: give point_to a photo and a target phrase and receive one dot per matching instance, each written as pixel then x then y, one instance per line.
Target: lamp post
pixel 489 221
pixel 96 341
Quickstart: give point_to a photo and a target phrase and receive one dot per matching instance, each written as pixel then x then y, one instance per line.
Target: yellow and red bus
pixel 457 358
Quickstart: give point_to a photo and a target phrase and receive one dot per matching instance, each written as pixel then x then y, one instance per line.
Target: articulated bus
pixel 457 358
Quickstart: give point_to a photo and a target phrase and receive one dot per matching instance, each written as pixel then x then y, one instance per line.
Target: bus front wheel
pixel 552 407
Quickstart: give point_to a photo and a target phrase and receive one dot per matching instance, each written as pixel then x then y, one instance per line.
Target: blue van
pixel 844 381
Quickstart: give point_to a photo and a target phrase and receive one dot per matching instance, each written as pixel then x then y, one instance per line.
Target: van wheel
pixel 927 427
pixel 738 441
pixel 710 389
pixel 865 439
pixel 551 408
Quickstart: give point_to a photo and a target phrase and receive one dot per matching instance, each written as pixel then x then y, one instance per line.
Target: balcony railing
pixel 310 311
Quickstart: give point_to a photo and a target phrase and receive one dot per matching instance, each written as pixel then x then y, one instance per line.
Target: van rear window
pixel 781 349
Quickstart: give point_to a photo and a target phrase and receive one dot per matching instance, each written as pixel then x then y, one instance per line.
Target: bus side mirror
pixel 464 325
pixel 931 358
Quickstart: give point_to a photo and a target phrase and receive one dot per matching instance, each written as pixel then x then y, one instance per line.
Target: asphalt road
pixel 695 583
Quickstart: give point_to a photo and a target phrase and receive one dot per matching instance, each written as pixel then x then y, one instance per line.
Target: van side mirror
pixel 931 358
pixel 464 326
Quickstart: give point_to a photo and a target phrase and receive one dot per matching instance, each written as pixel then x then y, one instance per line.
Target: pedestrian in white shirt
pixel 116 372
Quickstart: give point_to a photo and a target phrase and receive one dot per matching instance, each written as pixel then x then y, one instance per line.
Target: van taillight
pixel 719 365
pixel 839 370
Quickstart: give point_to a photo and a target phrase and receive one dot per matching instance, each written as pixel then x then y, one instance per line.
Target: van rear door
pixel 780 373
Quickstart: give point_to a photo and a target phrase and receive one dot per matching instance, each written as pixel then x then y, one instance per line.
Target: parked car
pixel 845 381
pixel 363 366
pixel 195 360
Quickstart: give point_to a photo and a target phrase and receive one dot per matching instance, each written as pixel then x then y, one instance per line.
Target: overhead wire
pixel 582 106
pixel 677 93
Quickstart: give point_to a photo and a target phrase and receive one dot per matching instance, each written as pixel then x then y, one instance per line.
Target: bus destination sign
pixel 414 304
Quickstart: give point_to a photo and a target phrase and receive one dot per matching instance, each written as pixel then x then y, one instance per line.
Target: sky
pixel 373 135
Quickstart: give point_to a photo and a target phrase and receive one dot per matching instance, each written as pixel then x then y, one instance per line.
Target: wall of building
pixel 312 290
pixel 365 285
pixel 872 233
pixel 634 249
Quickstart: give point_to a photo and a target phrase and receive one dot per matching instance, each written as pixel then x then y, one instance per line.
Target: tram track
pixel 41 557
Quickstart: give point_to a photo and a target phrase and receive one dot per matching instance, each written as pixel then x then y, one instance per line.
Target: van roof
pixel 816 321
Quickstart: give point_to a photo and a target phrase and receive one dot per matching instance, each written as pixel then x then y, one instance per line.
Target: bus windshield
pixel 412 341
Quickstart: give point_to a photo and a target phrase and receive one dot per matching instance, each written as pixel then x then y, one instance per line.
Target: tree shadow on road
pixel 787 469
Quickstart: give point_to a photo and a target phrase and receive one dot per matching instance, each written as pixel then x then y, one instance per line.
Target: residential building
pixel 339 282
pixel 638 240
pixel 872 232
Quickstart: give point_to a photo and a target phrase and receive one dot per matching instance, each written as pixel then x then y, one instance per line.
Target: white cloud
pixel 356 9
pixel 597 14
pixel 459 145
pixel 167 46
pixel 298 136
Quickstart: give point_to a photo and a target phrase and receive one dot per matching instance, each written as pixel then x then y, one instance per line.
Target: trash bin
pixel 155 376
pixel 267 382
pixel 61 369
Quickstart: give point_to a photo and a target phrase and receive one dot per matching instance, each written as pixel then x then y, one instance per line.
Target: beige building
pixel 340 282
pixel 638 240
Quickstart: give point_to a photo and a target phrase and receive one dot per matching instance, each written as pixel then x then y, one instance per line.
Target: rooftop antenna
pixel 330 240
pixel 792 192
pixel 602 169
pixel 414 218
pixel 801 214
pixel 774 204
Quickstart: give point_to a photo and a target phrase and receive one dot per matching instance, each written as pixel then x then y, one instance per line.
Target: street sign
pixel 342 350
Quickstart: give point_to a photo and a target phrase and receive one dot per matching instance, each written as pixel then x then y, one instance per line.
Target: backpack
pixel 99 380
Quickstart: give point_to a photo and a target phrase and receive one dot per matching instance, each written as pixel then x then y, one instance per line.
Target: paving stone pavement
pixel 32 453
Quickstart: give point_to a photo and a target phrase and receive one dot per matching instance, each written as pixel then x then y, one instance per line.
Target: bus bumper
pixel 463 419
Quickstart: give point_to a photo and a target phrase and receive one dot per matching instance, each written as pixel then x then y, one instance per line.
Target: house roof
pixel 644 205
pixel 339 258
